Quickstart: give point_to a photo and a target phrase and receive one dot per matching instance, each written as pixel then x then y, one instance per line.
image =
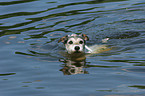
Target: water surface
pixel 30 63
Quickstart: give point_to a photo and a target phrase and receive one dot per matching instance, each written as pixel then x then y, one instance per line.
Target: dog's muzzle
pixel 78 49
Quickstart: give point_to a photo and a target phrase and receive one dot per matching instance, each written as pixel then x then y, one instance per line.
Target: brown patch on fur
pixel 63 39
pixel 85 37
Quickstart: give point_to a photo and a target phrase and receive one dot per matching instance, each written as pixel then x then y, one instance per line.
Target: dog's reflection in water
pixel 73 67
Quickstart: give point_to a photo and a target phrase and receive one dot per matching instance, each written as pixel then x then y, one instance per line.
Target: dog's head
pixel 74 43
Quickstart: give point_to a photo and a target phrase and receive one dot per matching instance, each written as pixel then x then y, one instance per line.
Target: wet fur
pixel 80 56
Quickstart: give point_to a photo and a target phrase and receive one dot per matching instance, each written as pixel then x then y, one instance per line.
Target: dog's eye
pixel 81 42
pixel 70 42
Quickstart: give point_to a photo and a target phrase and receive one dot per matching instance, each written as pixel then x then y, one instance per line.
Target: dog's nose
pixel 77 48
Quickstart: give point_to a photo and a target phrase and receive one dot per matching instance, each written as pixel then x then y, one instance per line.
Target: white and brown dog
pixel 76 45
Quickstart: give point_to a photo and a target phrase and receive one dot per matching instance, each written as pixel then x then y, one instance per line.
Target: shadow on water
pixel 124 35
pixel 138 86
pixel 6 74
pixel 16 2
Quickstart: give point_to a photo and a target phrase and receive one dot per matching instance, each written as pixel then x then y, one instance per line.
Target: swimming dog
pixel 76 46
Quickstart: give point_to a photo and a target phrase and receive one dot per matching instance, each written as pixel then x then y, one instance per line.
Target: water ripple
pixel 16 2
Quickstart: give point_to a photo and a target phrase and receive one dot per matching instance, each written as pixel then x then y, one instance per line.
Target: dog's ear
pixel 63 39
pixel 85 37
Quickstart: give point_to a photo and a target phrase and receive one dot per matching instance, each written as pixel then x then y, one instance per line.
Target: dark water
pixel 29 55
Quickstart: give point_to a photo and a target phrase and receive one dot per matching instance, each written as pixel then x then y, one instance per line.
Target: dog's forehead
pixel 75 38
